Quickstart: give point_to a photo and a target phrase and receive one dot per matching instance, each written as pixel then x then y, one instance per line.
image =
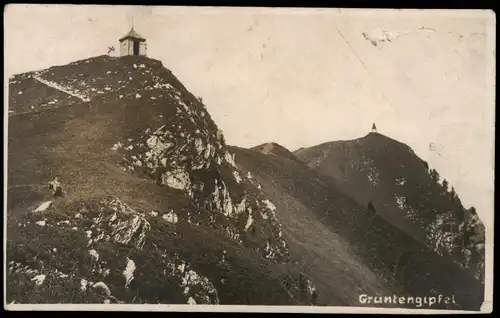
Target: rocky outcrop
pixel 105 262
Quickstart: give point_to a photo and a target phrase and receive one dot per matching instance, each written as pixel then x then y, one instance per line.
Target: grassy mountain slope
pixel 154 209
pixel 386 175
pixel 348 249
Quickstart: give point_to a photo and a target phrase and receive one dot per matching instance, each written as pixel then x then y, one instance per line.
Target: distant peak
pixel 268 146
pixel 374 133
pixel 376 136
pixel 370 140
pixel 274 149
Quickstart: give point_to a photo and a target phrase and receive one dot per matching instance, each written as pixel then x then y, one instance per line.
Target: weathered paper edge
pixel 487 306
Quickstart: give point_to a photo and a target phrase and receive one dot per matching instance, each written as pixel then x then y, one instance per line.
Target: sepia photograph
pixel 239 159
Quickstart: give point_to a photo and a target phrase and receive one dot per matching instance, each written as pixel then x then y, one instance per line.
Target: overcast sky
pixel 302 77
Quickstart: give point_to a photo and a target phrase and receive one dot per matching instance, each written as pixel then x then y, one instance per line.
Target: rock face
pixel 156 210
pixel 192 160
pixel 378 171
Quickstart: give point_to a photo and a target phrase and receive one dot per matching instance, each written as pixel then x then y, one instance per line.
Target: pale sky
pixel 293 76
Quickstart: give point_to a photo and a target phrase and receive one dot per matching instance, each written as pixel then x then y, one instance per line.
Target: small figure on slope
pixel 56 187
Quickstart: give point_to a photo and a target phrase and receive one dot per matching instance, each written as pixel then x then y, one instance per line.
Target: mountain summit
pixel 154 207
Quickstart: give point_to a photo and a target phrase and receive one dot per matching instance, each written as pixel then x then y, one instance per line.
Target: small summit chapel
pixel 133 44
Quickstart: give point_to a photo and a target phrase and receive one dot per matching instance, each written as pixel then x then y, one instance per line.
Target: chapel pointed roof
pixel 133 35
